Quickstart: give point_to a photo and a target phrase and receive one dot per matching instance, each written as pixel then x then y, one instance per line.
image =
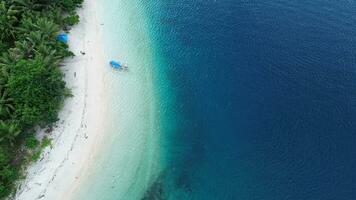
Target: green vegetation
pixel 38 149
pixel 32 89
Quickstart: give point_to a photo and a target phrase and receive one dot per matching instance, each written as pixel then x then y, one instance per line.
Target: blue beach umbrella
pixel 115 64
pixel 63 37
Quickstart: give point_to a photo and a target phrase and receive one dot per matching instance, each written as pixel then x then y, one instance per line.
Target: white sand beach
pixel 81 124
pixel 127 160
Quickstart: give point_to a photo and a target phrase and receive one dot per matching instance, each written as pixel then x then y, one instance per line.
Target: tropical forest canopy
pixel 32 89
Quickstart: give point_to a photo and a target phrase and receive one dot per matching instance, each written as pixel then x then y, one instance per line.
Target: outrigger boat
pixel 116 65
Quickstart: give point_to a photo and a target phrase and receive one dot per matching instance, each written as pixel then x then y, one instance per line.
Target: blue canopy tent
pixel 115 64
pixel 63 37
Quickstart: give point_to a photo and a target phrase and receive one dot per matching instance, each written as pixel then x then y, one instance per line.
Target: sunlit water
pixel 129 157
pixel 230 99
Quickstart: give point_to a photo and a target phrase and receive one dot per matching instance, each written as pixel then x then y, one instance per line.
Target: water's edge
pixel 129 160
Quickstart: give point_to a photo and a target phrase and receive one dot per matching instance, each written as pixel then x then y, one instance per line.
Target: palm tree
pixel 35 37
pixel 28 5
pixel 48 55
pixel 25 27
pixel 9 132
pixel 47 27
pixel 44 29
pixel 7 60
pixel 23 49
pixel 6 103
pixel 7 20
pixel 56 15
pixel 3 46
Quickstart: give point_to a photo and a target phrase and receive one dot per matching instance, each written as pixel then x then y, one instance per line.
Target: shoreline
pixel 81 123
pixel 127 160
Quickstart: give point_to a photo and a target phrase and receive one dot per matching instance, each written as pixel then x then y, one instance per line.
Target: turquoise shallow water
pixel 129 159
pixel 230 99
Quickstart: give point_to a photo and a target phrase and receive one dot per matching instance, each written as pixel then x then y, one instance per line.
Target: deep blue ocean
pixel 261 100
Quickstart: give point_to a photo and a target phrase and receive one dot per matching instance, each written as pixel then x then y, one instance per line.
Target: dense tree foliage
pixel 32 89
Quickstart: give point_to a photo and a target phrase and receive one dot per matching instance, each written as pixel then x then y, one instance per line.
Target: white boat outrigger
pixel 116 65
